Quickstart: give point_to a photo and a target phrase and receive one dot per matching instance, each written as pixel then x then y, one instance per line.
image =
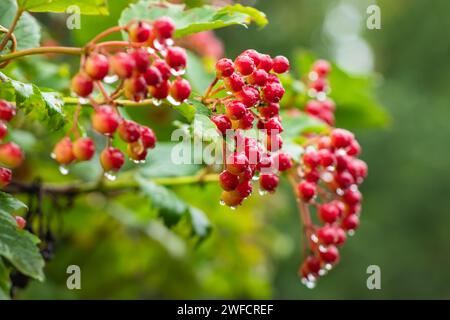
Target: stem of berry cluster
pixel 209 89
pixel 42 50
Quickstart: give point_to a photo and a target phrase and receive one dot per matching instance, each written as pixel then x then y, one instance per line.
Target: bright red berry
pixel 228 181
pixel 139 31
pixel 97 66
pixel 329 212
pixel 319 85
pixel 222 123
pixel 3 130
pixel 322 68
pixel 7 111
pixel 224 68
pixel 129 131
pixel 258 77
pixel 354 148
pixel 265 62
pixel 180 89
pixel 236 163
pixel 306 190
pixel 164 28
pixel 283 160
pixel 274 142
pixel 327 235
pixel 82 85
pixel 248 95
pixel 235 110
pixel 122 64
pixel 352 197
pixel 234 82
pixel 152 76
pixel 358 169
pixel 21 222
pixel 5 177
pixel 326 157
pixel 341 236
pixel 141 59
pixel 245 188
pixel 244 65
pixel 161 91
pixel 273 126
pixel 273 92
pixel 344 179
pixel 313 107
pixel 163 68
pixel 330 255
pixel 105 120
pixel 148 137
pixel 341 138
pixel 269 111
pixel 111 159
pixel 11 155
pixel 268 182
pixel 176 58
pixel 253 54
pixel 63 151
pixel 83 149
pixel 350 222
pixel 280 64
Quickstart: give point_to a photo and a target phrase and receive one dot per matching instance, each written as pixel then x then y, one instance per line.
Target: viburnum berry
pixel 234 82
pixel 265 62
pixel 311 265
pixel 148 137
pixel 63 151
pixel 350 222
pixel 236 163
pixel 139 31
pixel 152 76
pixel 180 89
pixel 129 131
pixel 163 68
pixel 235 110
pixel 341 236
pixel 82 85
pixel 122 64
pixel 135 88
pixel 5 177
pixel 269 111
pixel 161 91
pixel 111 159
pixel 268 182
pixel 341 138
pixel 21 222
pixel 273 92
pixel 352 197
pixel 3 130
pixel 105 120
pixel 319 85
pixel 7 111
pixel 280 64
pixel 244 65
pixel 326 157
pixel 258 77
pixel 329 212
pixel 312 175
pixel 306 190
pixel 231 198
pixel 141 59
pixel 327 235
pixel 176 58
pixel 329 255
pixel 322 68
pixel 284 161
pixel 228 181
pixel 83 149
pixel 164 28
pixel 11 155
pixel 222 123
pixel 273 126
pixel 224 68
pixel 97 66
pixel 244 188
pixel 274 142
pixel 136 151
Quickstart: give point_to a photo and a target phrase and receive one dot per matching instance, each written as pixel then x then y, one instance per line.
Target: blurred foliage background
pixel 254 252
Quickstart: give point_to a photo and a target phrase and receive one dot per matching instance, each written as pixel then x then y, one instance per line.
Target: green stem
pixel 42 50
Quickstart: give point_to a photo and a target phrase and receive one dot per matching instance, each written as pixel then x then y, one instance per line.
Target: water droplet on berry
pixel 339 192
pixel 322 272
pixel 222 203
pixel 308 283
pixel 169 42
pixel 321 96
pixel 328 266
pixel 233 207
pixel 83 100
pixel 327 177
pixel 313 76
pixel 110 176
pixel 158 45
pixel 172 101
pixel 314 238
pixel 262 192
pixel 354 187
pixel 150 50
pixel 63 170
pixel 351 233
pixel 53 155
pixel 156 102
pixel 135 161
pixel 322 248
pixel 111 79
pixel 312 93
pixel 177 73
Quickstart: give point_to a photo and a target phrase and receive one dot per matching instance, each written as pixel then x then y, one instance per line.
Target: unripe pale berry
pixel 105 120
pixel 268 182
pixel 244 65
pixel 330 255
pixel 164 28
pixel 141 59
pixel 265 62
pixel 111 159
pixel 11 155
pixel 152 76
pixel 3 130
pixel 161 91
pixel 228 181
pixel 148 137
pixel 82 85
pixel 176 58
pixel 163 68
pixel 224 68
pixel 322 68
pixel 306 190
pixel 236 163
pixel 21 222
pixel 248 95
pixel 280 64
pixel 222 123
pixel 180 89
pixel 63 151
pixel 122 64
pixel 5 177
pixel 7 111
pixel 273 92
pixel 129 131
pixel 136 151
pixel 234 82
pixel 96 66
pixel 135 88
pixel 235 110
pixel 231 198
pixel 83 149
pixel 139 31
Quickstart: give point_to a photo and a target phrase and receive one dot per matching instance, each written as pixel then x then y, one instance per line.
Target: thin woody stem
pixel 11 29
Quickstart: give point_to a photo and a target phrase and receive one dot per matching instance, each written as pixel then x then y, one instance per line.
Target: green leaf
pixel 204 129
pixel 18 246
pixel 193 20
pixel 196 73
pixel 27 31
pixel 200 223
pixel 46 107
pixel 191 108
pixel 91 7
pixel 5 283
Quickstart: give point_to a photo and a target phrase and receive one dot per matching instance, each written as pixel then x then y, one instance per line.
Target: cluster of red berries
pixel 11 155
pixel 320 106
pixel 151 67
pixel 252 101
pixel 106 120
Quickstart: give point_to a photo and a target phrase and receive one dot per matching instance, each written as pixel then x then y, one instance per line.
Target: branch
pixel 119 102
pixel 42 50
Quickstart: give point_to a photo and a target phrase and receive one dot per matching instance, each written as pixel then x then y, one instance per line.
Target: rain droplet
pixel 328 266
pixel 322 248
pixel 339 192
pixel 158 45
pixel 135 161
pixel 53 155
pixel 63 170
pixel 110 176
pixel 262 192
pixel 150 50
pixel 313 76
pixel 177 73
pixel 111 79
pixel 314 238
pixel 83 100
pixel 351 233
pixel 222 203
pixel 321 96
pixel 169 42
pixel 233 207
pixel 172 101
pixel 322 272
pixel 156 102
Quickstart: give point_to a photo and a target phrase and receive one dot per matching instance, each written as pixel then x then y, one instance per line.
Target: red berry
pixel 21 222
pixel 322 68
pixel 341 138
pixel 283 160
pixel 341 236
pixel 231 198
pixel 135 88
pixel 274 142
pixel 269 111
pixel 222 123
pixel 265 163
pixel 228 181
pixel 235 110
pixel 234 82
pixel 280 64
pixel 327 235
pixel 258 77
pixel 7 111
pixel 11 155
pixel 136 151
pixel 141 59
pixel 313 264
pixel 354 148
pixel 253 54
pixel 83 149
pixel 324 143
pixel 273 126
pixel 122 64
pixel 129 131
pixel 248 96
pixel 152 76
pixel 306 190
pixel 81 84
pixel 105 120
pixel 352 197
pixel 163 68
pixel 342 161
pixel 268 182
pixel 311 158
pixel 176 58
pixel 63 151
pixel 111 159
pixel 265 62
pixel 5 177
pixel 273 92
pixel 358 169
pixel 180 89
pixel 313 107
pixel 164 27
pixel 326 157
pixel 328 105
pixel 244 189
pixel 312 175
pixel 344 179
pixel 224 68
pixel 319 85
pixel 96 66
pixel 244 65
pixel 139 31
pixel 350 222
pixel 3 130
pixel 329 212
pixel 148 137
pixel 161 91
pixel 236 163
pixel 330 255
